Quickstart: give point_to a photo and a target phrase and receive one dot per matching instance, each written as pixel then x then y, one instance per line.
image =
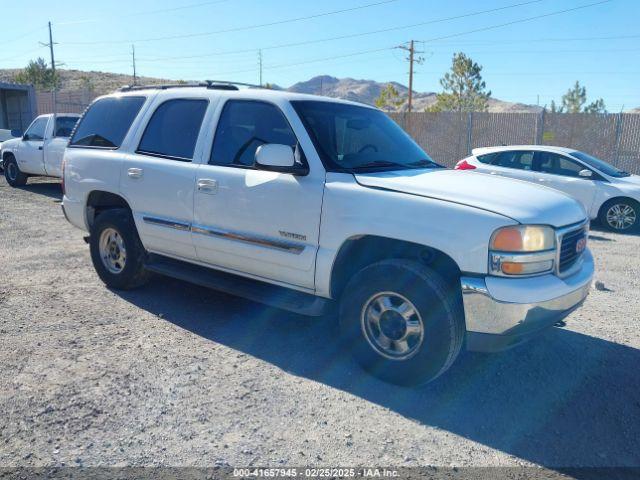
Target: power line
pixel 137 14
pixel 349 36
pixel 31 32
pixel 240 29
pixel 363 52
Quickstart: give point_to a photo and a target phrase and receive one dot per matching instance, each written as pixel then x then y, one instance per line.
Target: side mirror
pixel 277 158
pixel 25 137
pixel 586 173
pixel 16 132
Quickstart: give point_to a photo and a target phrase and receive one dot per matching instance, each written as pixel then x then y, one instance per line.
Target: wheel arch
pixel 101 200
pixel 359 251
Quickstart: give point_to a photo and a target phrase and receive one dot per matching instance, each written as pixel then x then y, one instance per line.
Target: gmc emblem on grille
pixel 581 245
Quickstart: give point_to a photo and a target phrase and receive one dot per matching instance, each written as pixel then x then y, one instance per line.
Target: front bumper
pixel 501 313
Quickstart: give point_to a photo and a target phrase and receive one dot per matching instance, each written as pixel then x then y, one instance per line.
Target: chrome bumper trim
pixel 485 314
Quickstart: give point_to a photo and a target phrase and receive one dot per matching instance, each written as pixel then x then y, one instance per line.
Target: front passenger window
pixel 244 126
pixel 556 164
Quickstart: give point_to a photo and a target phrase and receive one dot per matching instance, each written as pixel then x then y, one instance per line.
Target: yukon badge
pixel 293 236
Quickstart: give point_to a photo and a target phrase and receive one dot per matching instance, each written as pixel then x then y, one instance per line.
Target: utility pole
pixel 53 70
pixel 133 58
pixel 260 64
pixel 413 58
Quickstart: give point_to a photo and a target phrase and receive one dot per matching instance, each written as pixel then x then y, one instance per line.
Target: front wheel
pixel 12 173
pixel 402 321
pixel 620 215
pixel 116 250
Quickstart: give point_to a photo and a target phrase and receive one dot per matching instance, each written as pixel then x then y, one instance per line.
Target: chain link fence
pixel 450 136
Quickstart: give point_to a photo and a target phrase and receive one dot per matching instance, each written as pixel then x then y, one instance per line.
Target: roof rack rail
pixel 212 84
pixel 223 83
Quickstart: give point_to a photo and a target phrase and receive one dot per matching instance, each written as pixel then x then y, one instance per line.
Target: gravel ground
pixel 178 375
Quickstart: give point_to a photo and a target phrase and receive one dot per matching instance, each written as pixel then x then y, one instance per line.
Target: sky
pixel 532 61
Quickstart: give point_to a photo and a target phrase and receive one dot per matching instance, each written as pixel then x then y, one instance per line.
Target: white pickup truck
pixel 308 203
pixel 39 151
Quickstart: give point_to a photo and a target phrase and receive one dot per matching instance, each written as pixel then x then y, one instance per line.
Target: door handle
pixel 134 172
pixel 208 186
pixel 40 147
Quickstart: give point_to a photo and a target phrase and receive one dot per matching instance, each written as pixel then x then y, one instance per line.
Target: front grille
pixel 568 253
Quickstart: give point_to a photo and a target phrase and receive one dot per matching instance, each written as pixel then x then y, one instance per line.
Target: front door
pixel 159 177
pixel 253 221
pixel 562 173
pixel 31 151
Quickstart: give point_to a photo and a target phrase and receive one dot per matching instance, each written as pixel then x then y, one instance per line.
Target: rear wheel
pixel 12 173
pixel 620 215
pixel 402 321
pixel 116 250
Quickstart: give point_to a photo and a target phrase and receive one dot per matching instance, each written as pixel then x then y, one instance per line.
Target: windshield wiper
pixel 380 164
pixel 425 163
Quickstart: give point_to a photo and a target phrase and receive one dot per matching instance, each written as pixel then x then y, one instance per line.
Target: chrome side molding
pixel 266 242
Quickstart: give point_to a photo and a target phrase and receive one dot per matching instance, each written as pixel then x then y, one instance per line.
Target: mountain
pixel 364 91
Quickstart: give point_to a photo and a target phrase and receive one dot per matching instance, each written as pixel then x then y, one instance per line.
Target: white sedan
pixel 607 193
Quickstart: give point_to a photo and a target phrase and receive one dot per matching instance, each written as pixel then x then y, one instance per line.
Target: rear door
pixel 158 178
pixel 31 150
pixel 562 173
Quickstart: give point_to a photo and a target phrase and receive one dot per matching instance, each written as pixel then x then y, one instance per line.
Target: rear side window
pixel 518 160
pixel 106 122
pixel 487 158
pixel 173 129
pixel 245 125
pixel 64 126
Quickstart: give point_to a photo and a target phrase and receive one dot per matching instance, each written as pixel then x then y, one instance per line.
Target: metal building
pixel 17 106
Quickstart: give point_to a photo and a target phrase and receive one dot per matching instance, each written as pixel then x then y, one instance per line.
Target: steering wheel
pixel 368 145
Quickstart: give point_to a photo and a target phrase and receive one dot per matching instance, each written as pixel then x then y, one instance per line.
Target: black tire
pixel 12 173
pixel 438 304
pixel 132 273
pixel 623 204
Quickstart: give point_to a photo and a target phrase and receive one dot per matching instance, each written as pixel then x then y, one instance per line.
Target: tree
pixel 389 98
pixel 574 99
pixel 38 74
pixel 574 102
pixel 596 107
pixel 87 84
pixel 464 89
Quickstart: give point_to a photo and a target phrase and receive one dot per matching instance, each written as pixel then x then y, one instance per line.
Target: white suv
pixel 309 203
pixel 607 193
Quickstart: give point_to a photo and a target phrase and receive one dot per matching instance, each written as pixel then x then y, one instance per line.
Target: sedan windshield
pixel 600 165
pixel 350 138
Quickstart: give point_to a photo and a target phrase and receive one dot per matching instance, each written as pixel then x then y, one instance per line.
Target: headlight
pixel 522 250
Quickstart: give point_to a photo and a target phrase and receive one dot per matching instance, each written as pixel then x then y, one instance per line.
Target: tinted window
pixel 243 127
pixel 173 129
pixel 519 160
pixel 555 164
pixel 487 158
pixel 601 165
pixel 64 126
pixel 106 122
pixel 37 128
pixel 354 138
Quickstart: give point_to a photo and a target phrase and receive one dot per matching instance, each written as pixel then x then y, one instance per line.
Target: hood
pixel 522 201
pixel 9 145
pixel 631 181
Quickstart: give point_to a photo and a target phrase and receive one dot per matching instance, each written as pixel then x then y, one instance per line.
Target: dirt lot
pixel 174 374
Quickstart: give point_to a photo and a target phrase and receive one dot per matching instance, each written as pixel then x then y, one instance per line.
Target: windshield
pixel 601 165
pixel 350 138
